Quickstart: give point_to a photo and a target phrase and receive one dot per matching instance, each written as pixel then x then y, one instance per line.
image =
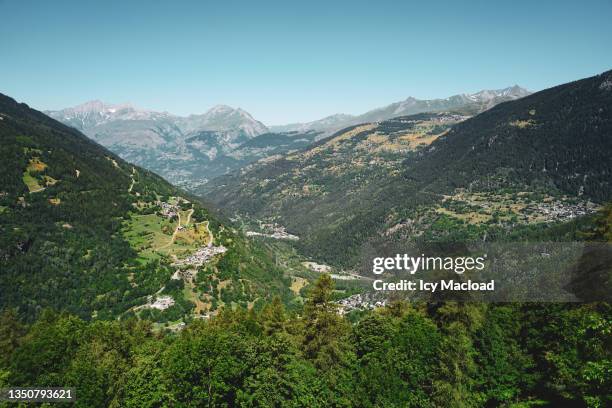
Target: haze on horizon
pixel 292 62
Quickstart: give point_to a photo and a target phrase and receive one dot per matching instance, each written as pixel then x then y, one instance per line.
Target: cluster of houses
pixel 167 209
pixel 443 117
pixel 558 211
pixel 274 231
pixel 360 301
pixel 202 255
pixel 321 268
pixel 449 118
pixel 162 302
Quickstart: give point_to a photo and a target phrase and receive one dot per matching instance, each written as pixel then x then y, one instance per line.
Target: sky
pixel 292 61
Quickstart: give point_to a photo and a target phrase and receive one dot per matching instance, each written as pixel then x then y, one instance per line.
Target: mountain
pixel 83 231
pixel 271 144
pixel 94 114
pixel 528 163
pixel 560 138
pixel 337 121
pixel 178 148
pixel 223 117
pixel 469 103
pixel 189 151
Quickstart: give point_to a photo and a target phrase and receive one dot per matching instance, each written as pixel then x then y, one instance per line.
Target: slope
pixel 468 103
pixel 81 230
pixel 536 161
pixel 181 149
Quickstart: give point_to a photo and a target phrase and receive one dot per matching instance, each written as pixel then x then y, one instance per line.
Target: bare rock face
pixel 182 149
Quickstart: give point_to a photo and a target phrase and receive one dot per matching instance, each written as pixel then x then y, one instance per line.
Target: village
pixel 441 118
pixel 273 231
pixel 168 210
pixel 162 302
pixel 187 266
pixel 201 256
pixel 360 301
pixel 559 211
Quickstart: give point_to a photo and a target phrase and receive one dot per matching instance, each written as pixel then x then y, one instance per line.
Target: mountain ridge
pixel 540 159
pixel 220 117
pixel 190 150
pixel 477 101
pixel 83 231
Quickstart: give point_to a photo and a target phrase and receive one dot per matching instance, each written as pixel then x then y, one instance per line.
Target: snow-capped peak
pixel 513 92
pixel 94 113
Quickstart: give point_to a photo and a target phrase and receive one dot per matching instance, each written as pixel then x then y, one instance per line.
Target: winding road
pixel 133 181
pixel 176 230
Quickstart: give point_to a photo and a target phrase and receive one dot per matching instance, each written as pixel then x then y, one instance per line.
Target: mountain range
pixel 82 230
pixel 189 151
pixel 92 116
pixel 538 160
pixel 472 103
pixel 182 149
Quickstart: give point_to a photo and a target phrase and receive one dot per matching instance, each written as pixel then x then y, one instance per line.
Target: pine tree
pixel 273 317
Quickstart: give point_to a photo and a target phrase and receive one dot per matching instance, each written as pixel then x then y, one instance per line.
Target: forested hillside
pixel 187 151
pixel 423 355
pixel 560 138
pixel 442 354
pixel 522 165
pixel 85 232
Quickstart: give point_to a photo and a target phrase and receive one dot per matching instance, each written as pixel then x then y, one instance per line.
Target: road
pixel 133 181
pixel 176 230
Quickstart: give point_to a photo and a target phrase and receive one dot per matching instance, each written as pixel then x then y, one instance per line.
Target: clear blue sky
pixel 287 61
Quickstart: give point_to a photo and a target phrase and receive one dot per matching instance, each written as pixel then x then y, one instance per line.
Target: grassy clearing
pixel 419 136
pixel 36 165
pixel 190 294
pixel 147 233
pixel 194 234
pixel 28 150
pixel 32 183
pixel 297 284
pixel 415 140
pixel 334 143
pixel 48 181
pixel 153 236
pixel 470 217
pixel 522 124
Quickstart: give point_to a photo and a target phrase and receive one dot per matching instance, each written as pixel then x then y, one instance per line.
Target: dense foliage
pixel 559 138
pixel 64 205
pixel 70 278
pixel 428 355
pixel 368 183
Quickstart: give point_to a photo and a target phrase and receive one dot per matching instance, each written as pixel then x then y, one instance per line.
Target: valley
pixel 104 237
pixel 334 204
pixel 302 204
pixel 436 176
pixel 112 269
pixel 192 150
